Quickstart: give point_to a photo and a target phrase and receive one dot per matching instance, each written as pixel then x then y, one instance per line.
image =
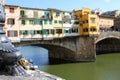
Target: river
pixel 106 66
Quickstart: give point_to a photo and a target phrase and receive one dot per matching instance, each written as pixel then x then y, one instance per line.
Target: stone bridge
pixel 105 35
pixel 108 42
pixel 77 48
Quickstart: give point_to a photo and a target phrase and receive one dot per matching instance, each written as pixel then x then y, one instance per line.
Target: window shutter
pixel 15 33
pixel 8 33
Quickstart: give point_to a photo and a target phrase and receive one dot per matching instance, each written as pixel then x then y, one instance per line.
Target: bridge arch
pixel 105 35
pixel 108 45
pixel 56 48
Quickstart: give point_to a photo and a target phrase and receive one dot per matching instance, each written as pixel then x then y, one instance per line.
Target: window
pixel 40 22
pixel 70 30
pixel 58 31
pixel 60 22
pixel 12 33
pixel 47 31
pixel 50 22
pixel 35 22
pixel 80 16
pixel 76 22
pixel 11 21
pixel 93 20
pixel 11 10
pixel 22 13
pixel 93 29
pixel 55 21
pixel 74 30
pixel 57 13
pixel 52 31
pixel 46 14
pixel 43 32
pixel 31 22
pixel 81 24
pixel 23 22
pixel 38 31
pixel 66 31
pixel 45 21
pixel 31 32
pixel 35 14
pixel 85 29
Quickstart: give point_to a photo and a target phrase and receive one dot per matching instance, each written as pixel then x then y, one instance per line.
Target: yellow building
pixel 88 22
pixel 57 22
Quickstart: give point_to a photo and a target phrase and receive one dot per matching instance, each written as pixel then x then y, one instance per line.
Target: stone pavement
pixel 32 75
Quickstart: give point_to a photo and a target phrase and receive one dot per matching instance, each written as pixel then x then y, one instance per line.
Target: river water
pixel 106 66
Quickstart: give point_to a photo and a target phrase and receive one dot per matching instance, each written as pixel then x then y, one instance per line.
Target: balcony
pixel 23 16
pixel 66 18
pixel 46 17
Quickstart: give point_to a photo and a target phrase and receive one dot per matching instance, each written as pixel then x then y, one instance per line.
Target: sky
pixel 68 5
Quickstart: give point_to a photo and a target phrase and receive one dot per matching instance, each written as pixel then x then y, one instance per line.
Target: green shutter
pixel 31 22
pixel 22 13
pixel 45 21
pixel 35 22
pixel 21 32
pixel 53 31
pixel 50 22
pixel 23 22
pixel 40 22
pixel 35 14
pixel 35 32
pixel 46 13
pixel 70 30
pixel 43 32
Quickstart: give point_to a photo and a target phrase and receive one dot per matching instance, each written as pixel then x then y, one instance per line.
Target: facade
pixel 57 22
pixel 106 23
pixel 70 24
pixel 117 24
pixel 11 23
pixel 35 23
pixel 24 23
pixel 88 22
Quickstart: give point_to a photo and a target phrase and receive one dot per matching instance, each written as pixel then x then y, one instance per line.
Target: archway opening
pixel 108 45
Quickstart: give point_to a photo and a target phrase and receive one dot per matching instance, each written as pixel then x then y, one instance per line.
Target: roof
pixel 33 8
pixel 12 5
pixel 103 16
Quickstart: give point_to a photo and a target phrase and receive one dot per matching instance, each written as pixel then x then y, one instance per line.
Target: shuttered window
pixel 11 10
pixel 12 33
pixel 23 22
pixel 11 21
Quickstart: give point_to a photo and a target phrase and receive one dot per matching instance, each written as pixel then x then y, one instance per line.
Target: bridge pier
pixel 85 49
pixel 81 48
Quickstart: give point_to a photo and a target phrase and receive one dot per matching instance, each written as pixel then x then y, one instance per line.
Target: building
pixel 117 24
pixel 97 11
pixel 114 13
pixel 106 23
pixel 35 23
pixel 57 22
pixel 88 22
pixel 12 22
pixel 23 23
pixel 70 24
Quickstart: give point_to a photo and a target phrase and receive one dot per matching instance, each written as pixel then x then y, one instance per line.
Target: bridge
pixel 78 48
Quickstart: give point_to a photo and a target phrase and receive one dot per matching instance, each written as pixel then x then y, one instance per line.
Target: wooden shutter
pixel 15 33
pixel 8 33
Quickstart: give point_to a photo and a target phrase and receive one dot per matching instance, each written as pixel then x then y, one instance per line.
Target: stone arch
pixel 55 50
pixel 108 45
